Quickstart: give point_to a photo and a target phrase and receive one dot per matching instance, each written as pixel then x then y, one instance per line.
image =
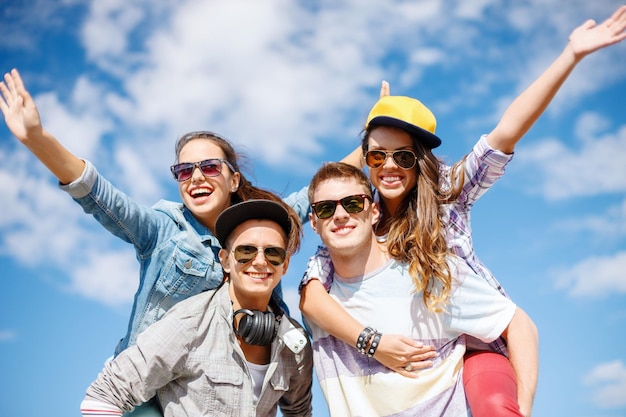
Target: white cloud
pixel 106 30
pixel 80 123
pixel 608 382
pixel 607 225
pixel 110 277
pixel 42 227
pixel 594 277
pixel 596 167
pixel 263 73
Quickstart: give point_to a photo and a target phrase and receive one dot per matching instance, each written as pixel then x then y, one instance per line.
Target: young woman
pixel 175 242
pixel 425 215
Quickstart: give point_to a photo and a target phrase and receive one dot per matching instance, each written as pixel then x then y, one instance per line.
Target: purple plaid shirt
pixel 483 167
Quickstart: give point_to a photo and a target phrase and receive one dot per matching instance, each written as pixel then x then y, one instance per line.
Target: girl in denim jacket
pixel 174 242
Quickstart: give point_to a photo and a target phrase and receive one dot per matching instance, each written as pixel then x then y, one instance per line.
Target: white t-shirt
pixel 257 372
pixel 356 385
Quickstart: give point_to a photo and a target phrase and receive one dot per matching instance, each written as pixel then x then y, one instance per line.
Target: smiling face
pixel 392 182
pixel 252 282
pixel 345 234
pixel 206 197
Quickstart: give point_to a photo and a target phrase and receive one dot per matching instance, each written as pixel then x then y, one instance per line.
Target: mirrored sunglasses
pixel 247 253
pixel 351 204
pixel 404 158
pixel 208 167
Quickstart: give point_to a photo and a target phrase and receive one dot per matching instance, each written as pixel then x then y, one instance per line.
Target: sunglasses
pixel 246 253
pixel 351 204
pixel 403 158
pixel 208 167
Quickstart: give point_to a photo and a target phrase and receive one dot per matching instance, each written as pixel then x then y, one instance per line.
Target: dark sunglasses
pixel 246 253
pixel 351 204
pixel 208 167
pixel 405 159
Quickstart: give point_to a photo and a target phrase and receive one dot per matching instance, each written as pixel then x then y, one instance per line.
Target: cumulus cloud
pixel 296 77
pixel 608 383
pixel 595 167
pixel 111 277
pixel 594 277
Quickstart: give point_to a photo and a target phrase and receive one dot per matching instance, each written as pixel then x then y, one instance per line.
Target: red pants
pixel 490 385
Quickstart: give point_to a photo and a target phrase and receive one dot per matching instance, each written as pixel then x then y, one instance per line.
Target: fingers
pixel 406 373
pixel 17 80
pixel 419 364
pixel 384 89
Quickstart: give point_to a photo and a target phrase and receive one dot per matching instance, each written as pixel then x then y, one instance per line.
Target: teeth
pixel 200 191
pixel 257 275
pixel 390 179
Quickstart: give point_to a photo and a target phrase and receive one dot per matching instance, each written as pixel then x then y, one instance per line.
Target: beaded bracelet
pixel 364 339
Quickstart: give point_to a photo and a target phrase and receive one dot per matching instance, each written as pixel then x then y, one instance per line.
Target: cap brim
pixel 238 213
pixel 429 140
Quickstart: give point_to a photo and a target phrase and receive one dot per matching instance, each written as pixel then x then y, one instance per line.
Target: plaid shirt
pixel 192 361
pixel 483 167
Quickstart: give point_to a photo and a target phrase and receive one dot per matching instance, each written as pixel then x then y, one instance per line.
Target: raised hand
pixel 19 110
pixel 590 37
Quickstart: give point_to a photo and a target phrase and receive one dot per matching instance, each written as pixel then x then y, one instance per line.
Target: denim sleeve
pixel 299 201
pixel 319 267
pixel 114 210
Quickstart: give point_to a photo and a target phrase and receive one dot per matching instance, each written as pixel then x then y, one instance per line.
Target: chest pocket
pixel 189 272
pixel 225 385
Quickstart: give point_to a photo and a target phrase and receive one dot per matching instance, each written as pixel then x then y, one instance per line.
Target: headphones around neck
pixel 256 327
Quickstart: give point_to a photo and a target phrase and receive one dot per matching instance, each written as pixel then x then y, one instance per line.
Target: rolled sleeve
pixel 82 185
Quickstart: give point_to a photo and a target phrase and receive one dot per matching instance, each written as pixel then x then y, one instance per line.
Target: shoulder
pixel 200 306
pixel 167 206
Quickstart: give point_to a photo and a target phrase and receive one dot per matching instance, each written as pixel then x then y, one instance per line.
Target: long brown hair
pixel 416 230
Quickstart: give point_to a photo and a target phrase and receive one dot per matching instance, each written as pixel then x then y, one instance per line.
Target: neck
pixel 389 208
pixel 260 355
pixel 251 303
pixel 367 258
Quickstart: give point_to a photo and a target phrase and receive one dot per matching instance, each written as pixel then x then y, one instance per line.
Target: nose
pixel 340 212
pixel 389 161
pixel 259 259
pixel 197 175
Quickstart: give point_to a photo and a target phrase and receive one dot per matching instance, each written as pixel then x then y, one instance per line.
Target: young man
pixel 225 352
pixel 379 291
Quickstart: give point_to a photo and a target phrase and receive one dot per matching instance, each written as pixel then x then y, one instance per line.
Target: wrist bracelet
pixel 374 345
pixel 364 338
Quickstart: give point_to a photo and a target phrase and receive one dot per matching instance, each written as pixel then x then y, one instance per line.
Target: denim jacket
pixel 177 255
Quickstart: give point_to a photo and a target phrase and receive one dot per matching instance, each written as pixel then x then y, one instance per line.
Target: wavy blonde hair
pixel 416 232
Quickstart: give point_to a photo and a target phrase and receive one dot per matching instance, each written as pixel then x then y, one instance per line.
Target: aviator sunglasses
pixel 208 167
pixel 351 204
pixel 405 159
pixel 246 253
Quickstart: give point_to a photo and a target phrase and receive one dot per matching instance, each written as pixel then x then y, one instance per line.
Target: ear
pixel 223 255
pixel 376 213
pixel 234 182
pixel 313 222
pixel 285 265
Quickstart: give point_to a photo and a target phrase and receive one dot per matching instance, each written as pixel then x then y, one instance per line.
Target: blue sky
pixel 290 83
